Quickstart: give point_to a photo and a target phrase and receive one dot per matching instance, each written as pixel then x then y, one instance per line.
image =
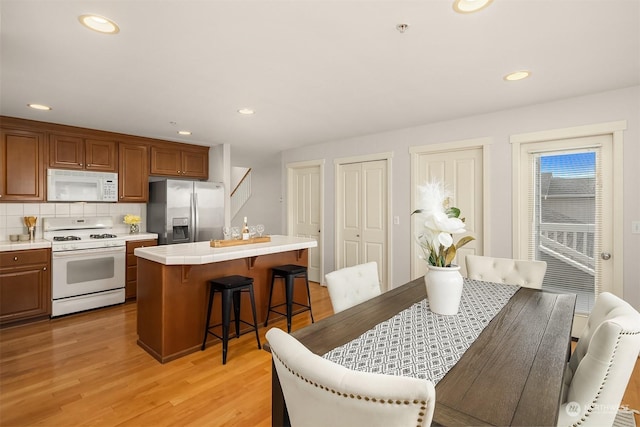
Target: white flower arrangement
pixel 440 223
pixel 131 219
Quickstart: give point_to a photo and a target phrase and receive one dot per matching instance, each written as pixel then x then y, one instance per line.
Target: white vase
pixel 444 289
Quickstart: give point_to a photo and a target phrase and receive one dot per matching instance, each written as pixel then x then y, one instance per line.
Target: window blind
pixel 564 198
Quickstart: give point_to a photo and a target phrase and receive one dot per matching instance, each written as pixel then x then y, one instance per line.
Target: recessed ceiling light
pixel 470 6
pixel 39 107
pixel 517 75
pixel 246 111
pixel 99 23
pixel 184 132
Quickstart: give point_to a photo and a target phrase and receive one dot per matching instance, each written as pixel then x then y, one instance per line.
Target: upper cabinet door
pixel 101 155
pixel 21 166
pixel 76 152
pixel 195 164
pixel 133 175
pixel 66 152
pixel 184 163
pixel 166 161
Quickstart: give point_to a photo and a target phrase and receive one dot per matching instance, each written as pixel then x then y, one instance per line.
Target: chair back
pixel 353 285
pixel 528 274
pixel 318 392
pixel 601 364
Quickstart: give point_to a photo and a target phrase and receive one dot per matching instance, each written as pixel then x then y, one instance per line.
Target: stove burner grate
pixel 102 236
pixel 65 238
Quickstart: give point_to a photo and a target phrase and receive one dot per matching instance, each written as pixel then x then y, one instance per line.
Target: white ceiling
pixel 313 70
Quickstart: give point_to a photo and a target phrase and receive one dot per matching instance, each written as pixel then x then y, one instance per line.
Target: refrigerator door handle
pixel 194 215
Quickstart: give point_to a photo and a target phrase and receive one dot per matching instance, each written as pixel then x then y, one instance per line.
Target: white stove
pixel 88 263
pixel 67 234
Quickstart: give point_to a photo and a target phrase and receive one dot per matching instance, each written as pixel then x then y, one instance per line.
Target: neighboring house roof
pixel 571 187
pixel 556 217
pixel 563 190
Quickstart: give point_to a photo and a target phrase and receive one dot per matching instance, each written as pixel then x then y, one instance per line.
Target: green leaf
pixel 453 212
pixel 416 211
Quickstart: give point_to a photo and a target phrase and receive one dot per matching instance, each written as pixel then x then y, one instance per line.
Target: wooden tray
pixel 225 243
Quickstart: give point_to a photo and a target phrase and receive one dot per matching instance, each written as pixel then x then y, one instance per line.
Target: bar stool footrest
pixel 219 325
pixel 293 313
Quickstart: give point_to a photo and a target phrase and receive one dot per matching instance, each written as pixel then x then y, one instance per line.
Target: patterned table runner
pixel 418 343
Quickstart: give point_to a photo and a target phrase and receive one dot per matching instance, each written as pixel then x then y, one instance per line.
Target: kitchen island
pixel 172 288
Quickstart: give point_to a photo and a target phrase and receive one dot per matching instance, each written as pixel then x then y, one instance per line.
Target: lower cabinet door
pixel 24 294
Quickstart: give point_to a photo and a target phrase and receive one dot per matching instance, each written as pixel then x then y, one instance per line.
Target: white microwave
pixel 81 186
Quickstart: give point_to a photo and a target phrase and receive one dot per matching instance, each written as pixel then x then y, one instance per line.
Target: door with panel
pixel 362 216
pixel 461 170
pixel 305 211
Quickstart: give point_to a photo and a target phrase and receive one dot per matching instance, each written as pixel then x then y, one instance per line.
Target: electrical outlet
pixel 396 220
pixel 635 227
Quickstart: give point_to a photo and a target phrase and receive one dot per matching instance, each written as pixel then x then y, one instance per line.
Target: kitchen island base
pixel 172 299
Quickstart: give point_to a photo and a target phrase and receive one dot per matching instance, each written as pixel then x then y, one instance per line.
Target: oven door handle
pixel 89 252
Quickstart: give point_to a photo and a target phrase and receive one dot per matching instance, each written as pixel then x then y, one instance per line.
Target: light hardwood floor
pixel 87 369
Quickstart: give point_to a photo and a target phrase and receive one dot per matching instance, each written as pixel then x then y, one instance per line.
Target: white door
pixel 462 172
pixel 564 214
pixel 361 215
pixel 305 211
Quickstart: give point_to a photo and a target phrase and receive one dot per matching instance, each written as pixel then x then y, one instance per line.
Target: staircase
pixel 242 190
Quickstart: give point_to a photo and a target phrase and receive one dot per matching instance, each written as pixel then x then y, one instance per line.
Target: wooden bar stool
pixel 231 288
pixel 289 273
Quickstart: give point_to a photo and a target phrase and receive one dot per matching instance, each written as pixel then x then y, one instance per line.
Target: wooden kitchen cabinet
pixel 28 148
pixel 78 152
pixel 22 175
pixel 195 164
pixel 192 162
pixel 100 155
pixel 25 285
pixel 133 173
pixel 132 265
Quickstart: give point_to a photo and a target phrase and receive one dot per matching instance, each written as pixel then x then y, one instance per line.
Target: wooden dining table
pixel 511 374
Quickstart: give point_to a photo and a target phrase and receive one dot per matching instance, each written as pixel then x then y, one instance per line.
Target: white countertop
pixel 139 236
pixel 203 253
pixel 7 245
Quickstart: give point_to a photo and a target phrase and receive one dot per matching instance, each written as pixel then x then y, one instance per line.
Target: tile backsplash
pixel 12 215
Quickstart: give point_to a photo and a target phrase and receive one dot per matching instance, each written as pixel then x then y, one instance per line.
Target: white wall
pixel 265 204
pixel 603 107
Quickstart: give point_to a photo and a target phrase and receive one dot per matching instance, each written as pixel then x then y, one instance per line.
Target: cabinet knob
pixel 88 164
pixel 179 172
pixel 15 258
pixel 44 269
pixel 80 164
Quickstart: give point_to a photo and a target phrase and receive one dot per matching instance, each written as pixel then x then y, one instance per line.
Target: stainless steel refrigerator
pixel 185 211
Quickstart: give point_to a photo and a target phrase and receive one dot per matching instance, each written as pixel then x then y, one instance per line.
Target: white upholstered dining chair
pixel 353 285
pixel 598 372
pixel 525 273
pixel 318 392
